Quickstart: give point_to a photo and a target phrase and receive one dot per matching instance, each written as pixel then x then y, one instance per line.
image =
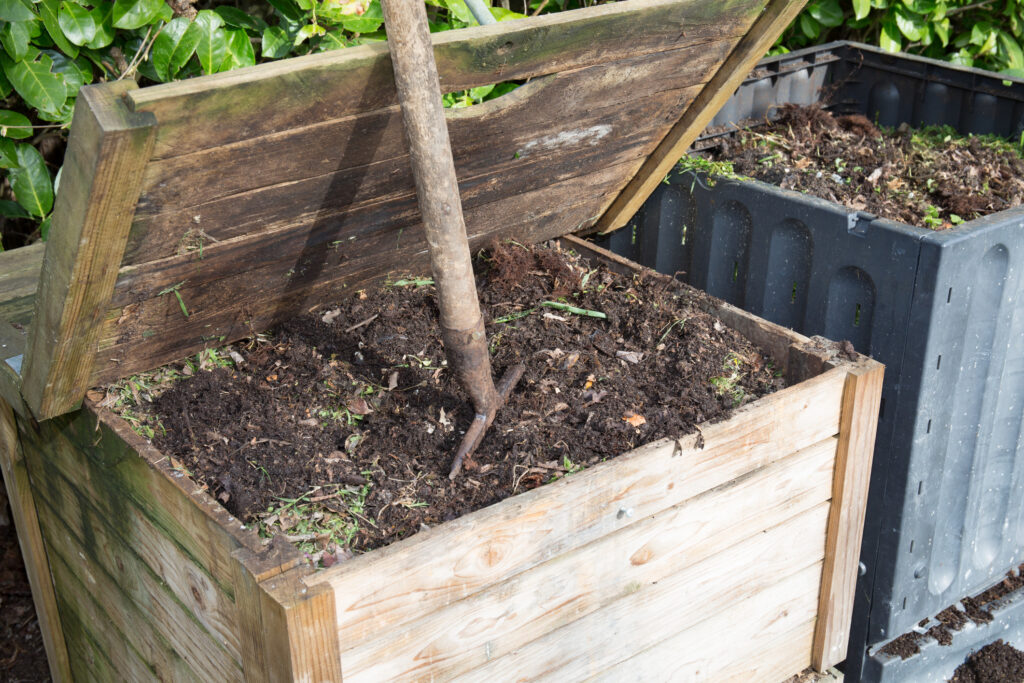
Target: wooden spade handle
pixel 419 94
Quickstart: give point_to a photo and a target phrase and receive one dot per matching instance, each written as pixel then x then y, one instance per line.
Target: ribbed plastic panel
pixel 943 310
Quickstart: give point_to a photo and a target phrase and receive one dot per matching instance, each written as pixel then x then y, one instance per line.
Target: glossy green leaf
pixel 941 29
pixel 15 10
pixel 131 14
pixel 236 18
pixel 76 72
pixel 332 40
pixel 367 22
pixel 308 31
pixel 174 47
pixel 5 85
pixel 826 12
pixel 49 11
pixel 9 209
pixel 8 153
pixel 212 44
pixel 1012 50
pixel 31 182
pixel 44 228
pixel 909 24
pixel 861 8
pixel 102 17
pixel 239 52
pixel 502 14
pixel 15 37
pixel 14 125
pixel 78 24
pixel 37 84
pixel 276 43
pixel 810 26
pixel 889 38
pixel 288 9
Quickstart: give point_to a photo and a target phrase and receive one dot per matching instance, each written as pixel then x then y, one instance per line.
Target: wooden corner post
pixel 30 538
pixel 100 185
pixel 858 421
pixel 288 629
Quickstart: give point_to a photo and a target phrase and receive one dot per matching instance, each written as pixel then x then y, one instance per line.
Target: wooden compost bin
pixel 726 554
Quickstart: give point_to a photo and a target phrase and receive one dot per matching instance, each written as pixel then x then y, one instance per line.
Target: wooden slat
pixel 338 83
pixel 721 647
pixel 289 625
pixel 94 651
pixel 508 615
pixel 107 150
pixel 30 539
pixel 399 583
pixel 776 17
pixel 132 598
pixel 19 278
pixel 151 569
pixel 777 658
pixel 103 459
pixel 861 399
pixel 568 122
pixel 294 273
pixel 731 584
pixel 132 644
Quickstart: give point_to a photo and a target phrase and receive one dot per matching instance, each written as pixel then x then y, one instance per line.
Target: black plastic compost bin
pixel 943 310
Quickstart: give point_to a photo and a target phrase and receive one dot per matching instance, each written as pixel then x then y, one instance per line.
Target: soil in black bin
pixel 931 177
pixel 998 662
pixel 338 429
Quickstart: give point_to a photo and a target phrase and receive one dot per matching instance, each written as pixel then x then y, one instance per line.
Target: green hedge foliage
pixel 988 34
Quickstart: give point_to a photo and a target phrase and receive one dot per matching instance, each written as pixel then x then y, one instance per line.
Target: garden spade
pixel 462 326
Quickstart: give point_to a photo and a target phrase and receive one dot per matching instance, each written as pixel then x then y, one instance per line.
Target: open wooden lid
pixel 195 213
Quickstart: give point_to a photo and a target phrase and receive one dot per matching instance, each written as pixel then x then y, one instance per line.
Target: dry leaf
pixel 569 361
pixel 271 378
pixel 95 395
pixel 393 381
pixel 631 356
pixel 358 406
pixel 634 419
pixel 330 316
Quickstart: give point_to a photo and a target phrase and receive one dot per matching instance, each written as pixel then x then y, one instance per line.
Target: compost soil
pixel 997 662
pixel 930 178
pixel 954 618
pixel 352 407
pixel 22 656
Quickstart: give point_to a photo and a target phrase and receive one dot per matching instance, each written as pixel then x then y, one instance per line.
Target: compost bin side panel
pixel 30 539
pixel 142 572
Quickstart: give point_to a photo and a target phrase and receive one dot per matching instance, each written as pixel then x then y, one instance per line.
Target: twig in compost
pixel 574 310
pixel 361 324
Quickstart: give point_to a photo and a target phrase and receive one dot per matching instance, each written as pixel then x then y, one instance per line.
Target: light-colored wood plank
pixel 716 606
pixel 861 397
pixel 508 615
pixel 776 17
pixel 132 598
pixel 337 83
pixel 150 567
pixel 399 583
pixel 777 657
pixel 100 183
pixel 30 539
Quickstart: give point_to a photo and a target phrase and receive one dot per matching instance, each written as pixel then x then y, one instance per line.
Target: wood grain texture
pixel 724 646
pixel 777 16
pixel 578 120
pixel 30 540
pixel 460 637
pixel 277 277
pixel 398 584
pixel 859 420
pixel 334 84
pixel 19 278
pixel 717 607
pixel 100 183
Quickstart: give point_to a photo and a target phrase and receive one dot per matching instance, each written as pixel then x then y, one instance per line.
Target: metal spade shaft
pixel 462 326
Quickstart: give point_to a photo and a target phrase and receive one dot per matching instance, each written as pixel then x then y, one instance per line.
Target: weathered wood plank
pixel 508 615
pixel 91 651
pixel 777 658
pixel 399 583
pixel 727 583
pixel 299 627
pixel 777 16
pixel 149 567
pixel 333 84
pixel 30 539
pixel 134 647
pixel 857 426
pixel 567 123
pixel 103 458
pixel 100 183
pixel 295 272
pixel 19 278
pixel 12 355
pixel 721 647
